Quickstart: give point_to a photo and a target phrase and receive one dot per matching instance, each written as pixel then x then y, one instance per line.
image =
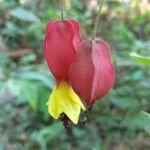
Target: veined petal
pixel 92 72
pixel 59 46
pixel 104 70
pixel 77 38
pixel 82 71
pixel 50 23
pixel 64 100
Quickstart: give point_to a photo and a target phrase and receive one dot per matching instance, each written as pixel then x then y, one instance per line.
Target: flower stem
pixel 97 19
pixel 62 10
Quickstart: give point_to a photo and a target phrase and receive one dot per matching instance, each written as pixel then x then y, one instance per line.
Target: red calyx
pixel 60 43
pixel 92 72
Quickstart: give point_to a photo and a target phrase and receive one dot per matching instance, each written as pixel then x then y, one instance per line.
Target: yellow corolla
pixel 64 100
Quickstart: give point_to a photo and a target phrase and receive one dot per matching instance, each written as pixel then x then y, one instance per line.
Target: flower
pixel 60 44
pixel 92 73
pixel 82 69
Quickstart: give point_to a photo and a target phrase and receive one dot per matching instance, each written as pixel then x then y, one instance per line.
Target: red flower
pixel 92 72
pixel 60 44
pixel 82 68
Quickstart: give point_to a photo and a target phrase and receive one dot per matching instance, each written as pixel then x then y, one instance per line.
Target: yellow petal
pixel 64 100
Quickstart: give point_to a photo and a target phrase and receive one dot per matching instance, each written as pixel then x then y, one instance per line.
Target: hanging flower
pixel 82 68
pixel 92 72
pixel 60 44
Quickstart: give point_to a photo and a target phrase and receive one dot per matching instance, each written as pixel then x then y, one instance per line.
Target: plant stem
pixel 62 9
pixel 97 19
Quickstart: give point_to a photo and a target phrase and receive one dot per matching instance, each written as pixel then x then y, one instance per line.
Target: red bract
pixel 92 72
pixel 61 40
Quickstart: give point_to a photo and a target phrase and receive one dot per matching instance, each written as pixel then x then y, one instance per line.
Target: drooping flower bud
pixel 92 72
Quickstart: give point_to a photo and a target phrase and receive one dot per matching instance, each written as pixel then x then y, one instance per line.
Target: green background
pixel 120 121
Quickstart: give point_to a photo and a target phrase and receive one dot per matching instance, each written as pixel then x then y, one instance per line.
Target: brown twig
pixel 97 19
pixel 19 53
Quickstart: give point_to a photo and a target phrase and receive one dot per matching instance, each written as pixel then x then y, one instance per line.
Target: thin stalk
pixel 97 19
pixel 62 10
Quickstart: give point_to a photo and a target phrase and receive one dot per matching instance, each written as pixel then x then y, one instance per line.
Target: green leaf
pixel 127 102
pixel 146 114
pixel 139 58
pixel 43 98
pixel 138 121
pixel 14 87
pixel 24 14
pixel 33 76
pixel 46 134
pixel 28 58
pixel 29 91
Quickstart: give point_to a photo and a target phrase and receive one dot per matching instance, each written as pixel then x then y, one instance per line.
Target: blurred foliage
pixel 120 121
pixel 139 58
